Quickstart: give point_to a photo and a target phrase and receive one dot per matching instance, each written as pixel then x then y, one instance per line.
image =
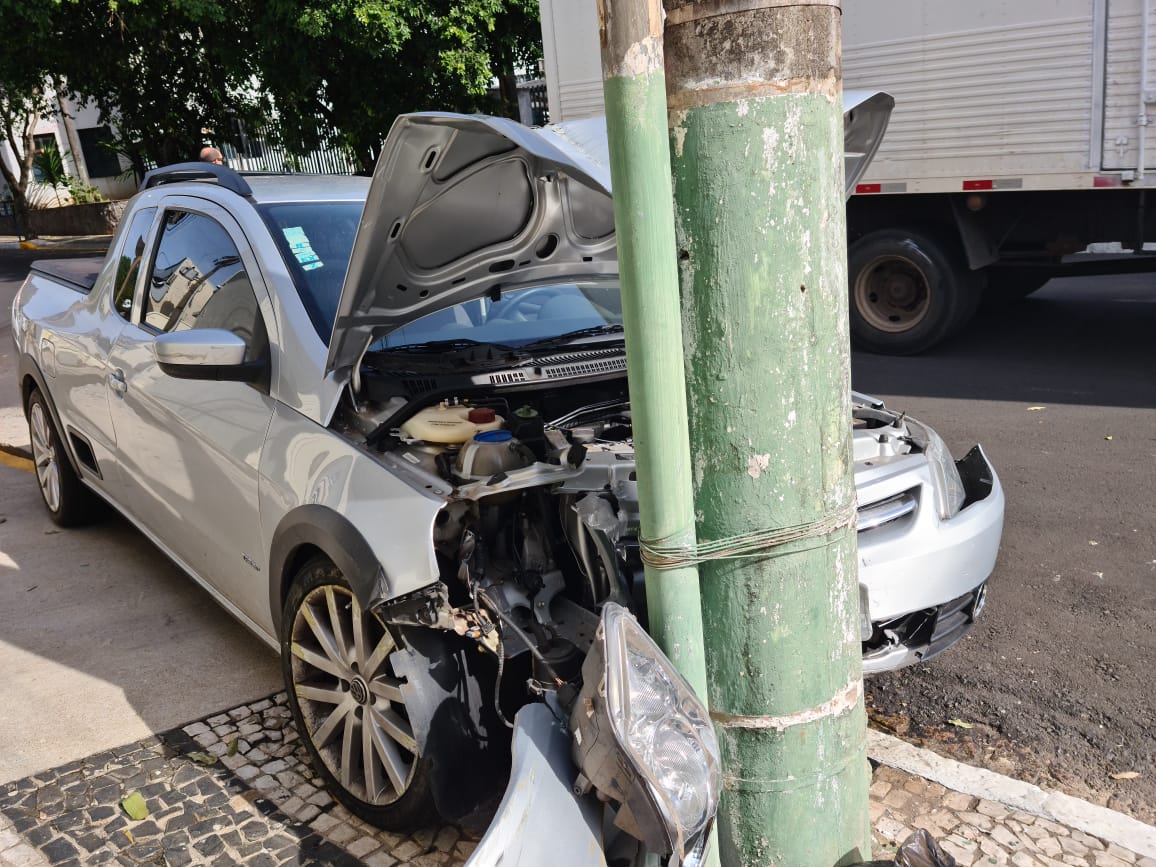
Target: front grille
pixel 886 511
pixel 953 619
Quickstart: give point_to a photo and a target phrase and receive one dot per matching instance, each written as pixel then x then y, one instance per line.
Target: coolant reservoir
pixel 490 453
pixel 450 424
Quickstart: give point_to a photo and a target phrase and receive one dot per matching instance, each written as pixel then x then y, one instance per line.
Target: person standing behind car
pixel 212 155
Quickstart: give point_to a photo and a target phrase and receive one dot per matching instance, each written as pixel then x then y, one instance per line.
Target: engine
pixel 539 529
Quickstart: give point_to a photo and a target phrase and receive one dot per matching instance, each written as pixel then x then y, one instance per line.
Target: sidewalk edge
pixel 1062 809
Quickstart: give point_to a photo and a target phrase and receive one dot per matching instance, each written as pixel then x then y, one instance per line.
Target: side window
pixel 131 255
pixel 199 281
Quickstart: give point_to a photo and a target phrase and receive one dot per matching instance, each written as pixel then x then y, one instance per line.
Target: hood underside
pixel 462 206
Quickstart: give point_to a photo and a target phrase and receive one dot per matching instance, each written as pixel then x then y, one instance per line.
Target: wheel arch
pixel 31 379
pixel 311 530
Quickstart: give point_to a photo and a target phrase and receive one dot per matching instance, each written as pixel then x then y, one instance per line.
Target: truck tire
pixel 909 291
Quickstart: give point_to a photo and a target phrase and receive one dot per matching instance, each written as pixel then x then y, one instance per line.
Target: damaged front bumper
pixel 540 816
pixel 923 578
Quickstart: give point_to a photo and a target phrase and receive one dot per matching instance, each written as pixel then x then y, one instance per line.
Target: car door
pixel 190 449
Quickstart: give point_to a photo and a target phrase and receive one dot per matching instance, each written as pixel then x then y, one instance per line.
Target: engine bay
pixel 539 529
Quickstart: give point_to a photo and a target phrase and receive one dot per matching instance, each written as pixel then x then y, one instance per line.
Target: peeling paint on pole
pixel 755 122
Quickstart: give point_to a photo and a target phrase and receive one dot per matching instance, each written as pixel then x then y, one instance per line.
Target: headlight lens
pixel 635 706
pixel 949 493
pixel 661 724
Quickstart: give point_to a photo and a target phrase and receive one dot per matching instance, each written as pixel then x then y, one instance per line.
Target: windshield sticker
pixel 301 248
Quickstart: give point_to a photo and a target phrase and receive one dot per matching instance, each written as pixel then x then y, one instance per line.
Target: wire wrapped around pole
pixel 757 543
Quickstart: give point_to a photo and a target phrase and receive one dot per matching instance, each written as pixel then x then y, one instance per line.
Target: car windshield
pixel 316 240
pixel 521 317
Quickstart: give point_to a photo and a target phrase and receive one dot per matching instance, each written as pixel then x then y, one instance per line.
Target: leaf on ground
pixel 1125 775
pixel 1036 408
pixel 1108 438
pixel 134 805
pixel 232 751
pixel 959 724
pixel 202 758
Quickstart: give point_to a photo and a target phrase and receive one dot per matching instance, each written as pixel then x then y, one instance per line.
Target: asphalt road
pixel 1055 681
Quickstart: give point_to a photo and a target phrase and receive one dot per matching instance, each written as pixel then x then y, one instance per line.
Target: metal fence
pixel 256 152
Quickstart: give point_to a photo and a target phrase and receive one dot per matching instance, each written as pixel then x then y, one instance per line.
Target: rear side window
pixel 131 255
pixel 199 281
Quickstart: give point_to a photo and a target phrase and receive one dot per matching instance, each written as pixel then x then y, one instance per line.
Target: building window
pixel 47 139
pixel 99 156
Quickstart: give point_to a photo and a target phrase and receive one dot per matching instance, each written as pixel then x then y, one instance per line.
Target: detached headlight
pixel 643 739
pixel 949 493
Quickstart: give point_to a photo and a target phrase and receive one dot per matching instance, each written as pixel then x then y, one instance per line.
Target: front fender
pixel 322 528
pixel 540 819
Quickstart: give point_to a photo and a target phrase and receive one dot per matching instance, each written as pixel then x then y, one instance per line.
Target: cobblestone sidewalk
pixel 979 832
pixel 236 788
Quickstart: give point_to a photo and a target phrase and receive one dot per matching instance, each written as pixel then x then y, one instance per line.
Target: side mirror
pixel 865 116
pixel 206 353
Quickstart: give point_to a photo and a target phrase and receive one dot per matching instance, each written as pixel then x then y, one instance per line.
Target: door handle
pixel 116 382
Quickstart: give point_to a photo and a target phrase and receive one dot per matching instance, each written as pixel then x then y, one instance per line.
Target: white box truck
pixel 1020 136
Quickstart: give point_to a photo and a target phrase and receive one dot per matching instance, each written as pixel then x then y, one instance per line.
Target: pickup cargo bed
pixel 79 274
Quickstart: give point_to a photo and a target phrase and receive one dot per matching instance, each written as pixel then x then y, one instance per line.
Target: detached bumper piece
pixel 922 635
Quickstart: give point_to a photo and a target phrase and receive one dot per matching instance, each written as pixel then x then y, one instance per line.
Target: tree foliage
pixel 344 69
pixel 24 72
pixel 162 71
pixel 333 71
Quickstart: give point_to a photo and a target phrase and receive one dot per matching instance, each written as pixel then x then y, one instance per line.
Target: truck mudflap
pixel 540 816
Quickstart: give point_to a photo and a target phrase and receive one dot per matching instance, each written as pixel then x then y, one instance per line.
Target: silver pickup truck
pixel 386 425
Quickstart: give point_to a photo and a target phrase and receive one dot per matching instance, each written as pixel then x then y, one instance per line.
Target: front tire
pixel 69 502
pixel 909 291
pixel 347 702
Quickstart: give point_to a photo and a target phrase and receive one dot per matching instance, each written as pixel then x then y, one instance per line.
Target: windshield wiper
pixel 434 347
pixel 570 336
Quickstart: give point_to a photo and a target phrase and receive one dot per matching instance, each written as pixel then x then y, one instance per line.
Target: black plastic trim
pixel 82 448
pixel 977 476
pixel 223 175
pixel 332 533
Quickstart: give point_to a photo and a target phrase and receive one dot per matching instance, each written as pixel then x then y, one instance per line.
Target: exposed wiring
pixel 498 684
pixel 521 633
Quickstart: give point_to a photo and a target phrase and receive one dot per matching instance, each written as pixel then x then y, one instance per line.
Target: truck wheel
pixel 908 292
pixel 69 502
pixel 347 702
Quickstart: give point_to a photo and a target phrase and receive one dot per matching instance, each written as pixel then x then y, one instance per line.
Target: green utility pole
pixel 755 115
pixel 631 36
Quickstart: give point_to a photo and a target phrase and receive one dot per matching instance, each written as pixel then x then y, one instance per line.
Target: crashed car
pixel 387 426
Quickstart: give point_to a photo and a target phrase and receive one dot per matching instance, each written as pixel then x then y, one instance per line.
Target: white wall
pixel 84 116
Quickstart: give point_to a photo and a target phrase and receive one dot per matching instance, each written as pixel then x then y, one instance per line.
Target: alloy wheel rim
pixel 44 457
pixel 350 701
pixel 892 295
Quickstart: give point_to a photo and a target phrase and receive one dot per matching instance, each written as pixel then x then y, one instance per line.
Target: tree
pixel 163 72
pixel 19 114
pixel 337 71
pixel 340 71
pixel 24 72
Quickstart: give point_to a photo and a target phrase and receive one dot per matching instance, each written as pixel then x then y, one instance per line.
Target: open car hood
pixel 465 205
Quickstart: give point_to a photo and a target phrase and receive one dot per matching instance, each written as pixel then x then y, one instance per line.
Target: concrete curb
pixel 16 451
pixel 1056 807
